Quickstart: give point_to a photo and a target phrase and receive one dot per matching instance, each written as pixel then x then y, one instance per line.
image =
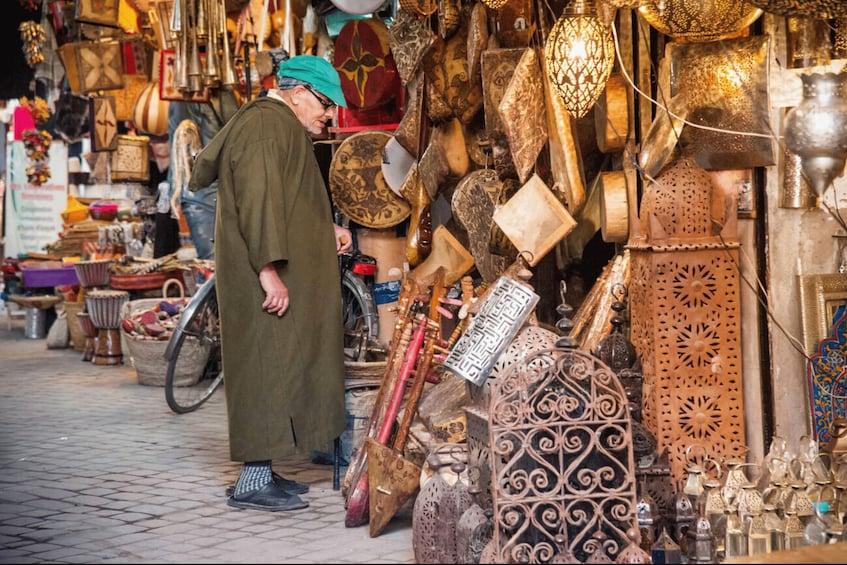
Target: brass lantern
pixel 580 53
pixel 816 129
pixel 495 4
pixel 706 20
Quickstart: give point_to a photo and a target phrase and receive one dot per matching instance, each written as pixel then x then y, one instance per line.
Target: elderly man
pixel 277 280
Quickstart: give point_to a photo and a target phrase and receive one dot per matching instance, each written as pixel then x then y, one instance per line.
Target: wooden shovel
pixel 399 340
pixel 392 479
pixel 357 504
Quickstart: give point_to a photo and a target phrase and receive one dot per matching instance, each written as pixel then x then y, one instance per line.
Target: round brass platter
pixel 358 185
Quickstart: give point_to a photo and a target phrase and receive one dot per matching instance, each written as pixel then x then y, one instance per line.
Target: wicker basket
pixel 147 355
pixel 76 333
pixel 148 358
pixel 359 374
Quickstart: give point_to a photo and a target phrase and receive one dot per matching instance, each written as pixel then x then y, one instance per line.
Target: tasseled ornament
pixel 33 37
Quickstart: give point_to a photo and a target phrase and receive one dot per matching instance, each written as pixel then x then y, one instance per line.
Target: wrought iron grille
pixel 561 458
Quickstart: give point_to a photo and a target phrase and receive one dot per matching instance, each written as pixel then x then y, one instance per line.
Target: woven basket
pixel 147 355
pixel 149 281
pixel 148 358
pixel 359 374
pixel 76 333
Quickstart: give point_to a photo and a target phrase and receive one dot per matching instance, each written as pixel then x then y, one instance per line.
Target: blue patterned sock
pixel 254 475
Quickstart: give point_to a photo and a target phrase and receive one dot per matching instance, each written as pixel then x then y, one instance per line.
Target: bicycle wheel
pixel 361 320
pixel 199 321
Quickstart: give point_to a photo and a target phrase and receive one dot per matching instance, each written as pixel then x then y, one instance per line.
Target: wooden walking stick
pixel 357 504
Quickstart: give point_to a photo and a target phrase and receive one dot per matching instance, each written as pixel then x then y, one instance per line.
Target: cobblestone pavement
pixel 94 468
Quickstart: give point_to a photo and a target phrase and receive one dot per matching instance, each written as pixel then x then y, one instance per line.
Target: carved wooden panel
pixel 827 380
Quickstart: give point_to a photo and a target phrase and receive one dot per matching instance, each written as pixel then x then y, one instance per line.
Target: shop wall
pixel 796 241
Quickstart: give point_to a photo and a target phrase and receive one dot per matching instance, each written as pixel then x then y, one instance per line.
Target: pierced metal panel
pixel 452 506
pixel 677 205
pixel 686 316
pixel 438 509
pixel 686 326
pixel 478 452
pixel 489 333
pixel 561 456
pixel 473 531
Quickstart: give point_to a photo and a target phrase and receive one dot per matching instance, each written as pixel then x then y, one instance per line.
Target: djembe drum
pixel 93 274
pixel 90 333
pixel 104 309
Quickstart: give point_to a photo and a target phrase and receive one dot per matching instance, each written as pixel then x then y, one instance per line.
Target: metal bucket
pixel 34 323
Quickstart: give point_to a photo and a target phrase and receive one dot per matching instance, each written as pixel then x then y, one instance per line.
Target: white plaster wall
pixel 799 241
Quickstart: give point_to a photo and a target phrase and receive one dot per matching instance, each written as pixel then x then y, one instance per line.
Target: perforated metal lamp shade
pixel 816 129
pixel 580 53
pixel 494 4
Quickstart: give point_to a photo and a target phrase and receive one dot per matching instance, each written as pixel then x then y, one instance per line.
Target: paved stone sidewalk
pixel 94 468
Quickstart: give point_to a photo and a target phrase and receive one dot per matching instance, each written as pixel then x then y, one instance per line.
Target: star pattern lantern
pixel 580 54
pixel 705 20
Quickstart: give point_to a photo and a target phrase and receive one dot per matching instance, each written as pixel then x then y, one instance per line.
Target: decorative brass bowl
pixel 713 20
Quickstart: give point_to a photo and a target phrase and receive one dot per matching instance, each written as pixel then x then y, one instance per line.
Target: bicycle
pixel 199 321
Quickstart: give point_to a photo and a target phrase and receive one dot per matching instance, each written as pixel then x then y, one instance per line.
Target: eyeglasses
pixel 327 104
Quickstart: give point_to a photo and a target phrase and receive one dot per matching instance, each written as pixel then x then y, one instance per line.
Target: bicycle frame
pixel 180 332
pixel 361 318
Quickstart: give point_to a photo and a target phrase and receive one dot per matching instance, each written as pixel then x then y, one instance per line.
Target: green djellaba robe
pixel 284 376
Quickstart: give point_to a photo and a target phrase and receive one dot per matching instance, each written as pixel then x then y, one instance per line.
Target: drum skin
pixel 369 76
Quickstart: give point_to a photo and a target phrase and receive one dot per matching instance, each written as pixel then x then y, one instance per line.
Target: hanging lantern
pixel 150 112
pixel 816 129
pixel 495 4
pixel 580 54
pixel 707 20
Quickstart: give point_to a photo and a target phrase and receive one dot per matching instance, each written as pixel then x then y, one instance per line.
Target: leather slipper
pixel 270 498
pixel 288 485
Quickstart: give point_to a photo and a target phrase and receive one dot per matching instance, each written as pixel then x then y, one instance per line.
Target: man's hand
pixel 276 293
pixel 343 239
